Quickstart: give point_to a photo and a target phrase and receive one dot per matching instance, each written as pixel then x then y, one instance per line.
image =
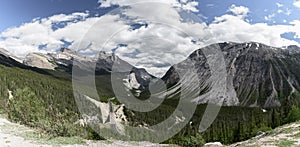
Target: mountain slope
pixel 10 62
pixel 257 75
pixel 102 64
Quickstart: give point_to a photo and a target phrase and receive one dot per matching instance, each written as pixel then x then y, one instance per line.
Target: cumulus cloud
pixel 239 10
pixel 30 36
pixel 165 41
pixel 279 5
pixel 153 40
pixel 183 4
pixel 296 28
pixel 286 12
pixel 231 28
pixel 297 3
pixel 269 17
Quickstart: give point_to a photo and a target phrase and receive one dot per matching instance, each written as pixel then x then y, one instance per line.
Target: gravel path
pixel 10 140
pixel 12 135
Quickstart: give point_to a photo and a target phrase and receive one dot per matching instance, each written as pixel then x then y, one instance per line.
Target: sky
pixel 152 34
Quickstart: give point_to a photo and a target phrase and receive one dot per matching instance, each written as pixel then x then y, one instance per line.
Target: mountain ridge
pixel 258 75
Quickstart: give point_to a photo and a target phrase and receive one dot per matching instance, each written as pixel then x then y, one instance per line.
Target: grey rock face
pixel 39 60
pixel 257 75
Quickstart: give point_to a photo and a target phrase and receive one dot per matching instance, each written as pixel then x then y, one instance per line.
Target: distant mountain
pixel 7 54
pixel 63 61
pixel 257 75
pixel 293 47
pixel 39 60
pixel 9 60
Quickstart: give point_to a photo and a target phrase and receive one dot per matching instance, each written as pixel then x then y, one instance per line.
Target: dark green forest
pixel 46 101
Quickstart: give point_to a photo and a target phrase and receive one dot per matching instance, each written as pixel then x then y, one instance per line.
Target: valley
pixel 261 87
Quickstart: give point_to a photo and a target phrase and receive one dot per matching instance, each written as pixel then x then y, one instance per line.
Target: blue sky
pixel 15 12
pixel 86 26
pixel 258 8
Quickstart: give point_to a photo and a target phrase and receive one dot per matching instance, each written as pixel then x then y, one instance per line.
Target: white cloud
pixel 270 17
pixel 296 28
pixel 183 4
pixel 238 29
pixel 165 41
pixel 279 5
pixel 286 12
pixel 232 28
pixel 29 36
pixel 297 3
pixel 239 10
pixel 166 36
pixel 191 6
pixel 64 17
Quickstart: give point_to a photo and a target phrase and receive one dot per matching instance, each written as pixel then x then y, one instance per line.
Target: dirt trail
pixel 15 135
pixel 8 139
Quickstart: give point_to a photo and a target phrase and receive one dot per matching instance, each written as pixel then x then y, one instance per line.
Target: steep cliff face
pixel 257 75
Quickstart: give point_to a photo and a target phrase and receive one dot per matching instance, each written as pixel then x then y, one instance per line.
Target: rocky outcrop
pixel 112 116
pixel 39 60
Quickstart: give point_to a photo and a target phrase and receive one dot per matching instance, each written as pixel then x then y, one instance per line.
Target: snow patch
pixel 257 46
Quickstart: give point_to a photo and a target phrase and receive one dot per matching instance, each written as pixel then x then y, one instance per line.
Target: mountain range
pixel 255 75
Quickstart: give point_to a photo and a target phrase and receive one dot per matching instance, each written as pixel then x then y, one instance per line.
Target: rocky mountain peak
pixel 107 56
pixel 293 47
pixel 39 60
pixel 257 75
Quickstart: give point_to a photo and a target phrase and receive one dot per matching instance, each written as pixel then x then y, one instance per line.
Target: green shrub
pixel 293 115
pixel 26 108
pixel 187 140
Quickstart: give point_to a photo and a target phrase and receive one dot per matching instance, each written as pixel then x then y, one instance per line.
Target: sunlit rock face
pixel 39 60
